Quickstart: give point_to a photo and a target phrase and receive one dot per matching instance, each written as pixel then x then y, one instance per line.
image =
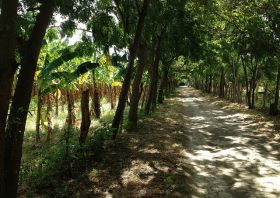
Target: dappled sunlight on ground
pixel 231 156
pixel 189 148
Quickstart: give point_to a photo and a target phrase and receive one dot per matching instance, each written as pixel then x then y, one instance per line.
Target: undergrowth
pixel 47 169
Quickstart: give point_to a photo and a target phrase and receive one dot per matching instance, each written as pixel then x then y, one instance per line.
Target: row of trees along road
pixel 133 53
pixel 240 60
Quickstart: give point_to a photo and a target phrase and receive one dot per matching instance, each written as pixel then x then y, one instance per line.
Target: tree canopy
pixel 133 53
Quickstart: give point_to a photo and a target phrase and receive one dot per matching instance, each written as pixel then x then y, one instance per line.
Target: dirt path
pixel 189 148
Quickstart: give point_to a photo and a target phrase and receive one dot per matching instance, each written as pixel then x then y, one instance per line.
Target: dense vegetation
pixel 71 97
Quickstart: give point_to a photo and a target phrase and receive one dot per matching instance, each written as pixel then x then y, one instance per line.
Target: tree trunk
pixel 210 84
pixel 152 94
pixel 136 87
pixel 254 83
pixel 206 83
pixel 144 96
pixel 162 86
pixel 22 97
pixel 68 130
pixel 248 91
pixel 49 119
pixel 85 124
pixel 38 118
pixel 274 106
pixel 127 79
pixel 70 120
pixel 96 99
pixel 7 53
pixel 265 95
pixel 234 82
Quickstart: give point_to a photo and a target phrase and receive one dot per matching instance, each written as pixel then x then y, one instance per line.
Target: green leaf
pixel 66 77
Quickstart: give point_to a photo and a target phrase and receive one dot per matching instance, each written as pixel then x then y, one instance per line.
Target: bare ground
pixel 191 147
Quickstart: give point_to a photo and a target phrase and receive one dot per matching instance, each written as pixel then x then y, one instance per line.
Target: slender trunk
pixel 49 119
pixel 254 83
pixel 85 124
pixel 155 87
pixel 162 86
pixel 136 87
pixel 96 99
pixel 68 131
pixel 70 120
pixel 234 80
pixel 8 19
pixel 206 83
pixel 152 94
pixel 274 106
pixel 248 92
pixel 126 83
pixel 210 84
pixel 222 84
pixel 265 95
pixel 39 113
pixel 143 97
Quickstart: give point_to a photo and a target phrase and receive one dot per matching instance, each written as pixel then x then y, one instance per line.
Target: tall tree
pixel 136 86
pixel 8 19
pixel 21 100
pixel 126 83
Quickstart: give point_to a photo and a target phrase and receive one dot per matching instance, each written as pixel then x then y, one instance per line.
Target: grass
pixel 43 165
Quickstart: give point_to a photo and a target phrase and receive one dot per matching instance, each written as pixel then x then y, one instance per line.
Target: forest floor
pixel 192 146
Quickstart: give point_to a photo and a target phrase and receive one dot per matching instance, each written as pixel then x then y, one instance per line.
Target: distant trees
pixel 245 46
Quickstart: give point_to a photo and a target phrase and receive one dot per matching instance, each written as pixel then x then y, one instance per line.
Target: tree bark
pixel 222 84
pixel 8 19
pixel 162 86
pixel 143 96
pixel 85 124
pixel 96 99
pixel 21 100
pixel 152 94
pixel 127 79
pixel 136 87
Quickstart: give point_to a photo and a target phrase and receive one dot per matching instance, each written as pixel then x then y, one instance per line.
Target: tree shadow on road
pixel 188 148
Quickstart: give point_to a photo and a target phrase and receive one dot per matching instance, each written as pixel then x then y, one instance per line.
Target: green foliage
pixel 196 39
pixel 168 180
pixel 47 169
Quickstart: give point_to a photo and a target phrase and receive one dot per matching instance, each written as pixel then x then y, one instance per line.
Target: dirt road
pixel 190 148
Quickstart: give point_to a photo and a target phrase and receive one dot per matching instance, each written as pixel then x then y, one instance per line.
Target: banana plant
pixel 60 72
pixel 54 76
